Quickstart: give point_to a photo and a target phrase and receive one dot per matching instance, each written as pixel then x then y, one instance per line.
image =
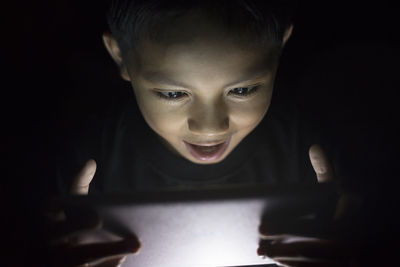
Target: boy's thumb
pixel 321 164
pixel 81 182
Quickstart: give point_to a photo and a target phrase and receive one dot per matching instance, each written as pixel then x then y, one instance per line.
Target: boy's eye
pixel 243 91
pixel 171 95
pixel 177 95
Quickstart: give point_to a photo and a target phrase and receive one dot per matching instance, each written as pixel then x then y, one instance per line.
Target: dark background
pixel 341 65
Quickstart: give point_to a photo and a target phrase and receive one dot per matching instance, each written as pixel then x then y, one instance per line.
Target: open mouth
pixel 207 152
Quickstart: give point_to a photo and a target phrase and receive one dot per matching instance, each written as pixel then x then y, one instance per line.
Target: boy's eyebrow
pixel 262 73
pixel 161 78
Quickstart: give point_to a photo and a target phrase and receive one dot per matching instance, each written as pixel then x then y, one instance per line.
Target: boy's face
pixel 202 87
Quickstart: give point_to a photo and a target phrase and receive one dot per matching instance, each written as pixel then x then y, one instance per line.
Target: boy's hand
pixel 285 242
pixel 81 182
pixel 64 229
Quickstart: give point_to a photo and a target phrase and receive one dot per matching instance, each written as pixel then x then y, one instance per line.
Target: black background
pixel 341 63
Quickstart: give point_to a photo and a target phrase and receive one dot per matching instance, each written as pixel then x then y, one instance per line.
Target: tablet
pixel 207 227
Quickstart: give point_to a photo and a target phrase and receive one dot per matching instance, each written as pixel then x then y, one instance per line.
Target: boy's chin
pixel 200 162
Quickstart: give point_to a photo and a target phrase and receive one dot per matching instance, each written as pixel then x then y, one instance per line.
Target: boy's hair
pixel 132 20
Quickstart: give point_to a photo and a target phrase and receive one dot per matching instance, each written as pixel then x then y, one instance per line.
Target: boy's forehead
pixel 201 54
pixel 198 65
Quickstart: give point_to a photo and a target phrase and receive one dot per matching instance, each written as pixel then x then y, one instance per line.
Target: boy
pixel 202 73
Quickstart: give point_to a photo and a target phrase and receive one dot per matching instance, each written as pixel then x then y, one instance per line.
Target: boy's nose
pixel 209 120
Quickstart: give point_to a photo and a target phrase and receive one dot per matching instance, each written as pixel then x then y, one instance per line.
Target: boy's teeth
pixel 207 149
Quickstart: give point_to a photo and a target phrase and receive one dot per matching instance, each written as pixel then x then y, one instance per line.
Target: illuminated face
pixel 203 91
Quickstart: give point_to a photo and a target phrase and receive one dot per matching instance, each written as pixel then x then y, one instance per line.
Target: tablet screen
pixel 196 228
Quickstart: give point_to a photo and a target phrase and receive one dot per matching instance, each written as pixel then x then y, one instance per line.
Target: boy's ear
pixel 287 34
pixel 113 49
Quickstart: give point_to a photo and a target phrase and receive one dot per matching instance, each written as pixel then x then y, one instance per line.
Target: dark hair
pixel 132 20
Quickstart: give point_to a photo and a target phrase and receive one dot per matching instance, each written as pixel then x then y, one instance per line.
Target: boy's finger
pixel 82 254
pixel 302 248
pixel 73 224
pixel 349 207
pixel 113 261
pixel 321 164
pixel 301 227
pixel 81 182
pixel 305 263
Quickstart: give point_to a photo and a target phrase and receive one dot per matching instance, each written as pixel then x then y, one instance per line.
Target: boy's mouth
pixel 207 152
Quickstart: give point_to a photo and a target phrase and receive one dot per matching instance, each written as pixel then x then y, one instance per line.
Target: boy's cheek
pixel 249 116
pixel 245 119
pixel 165 122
